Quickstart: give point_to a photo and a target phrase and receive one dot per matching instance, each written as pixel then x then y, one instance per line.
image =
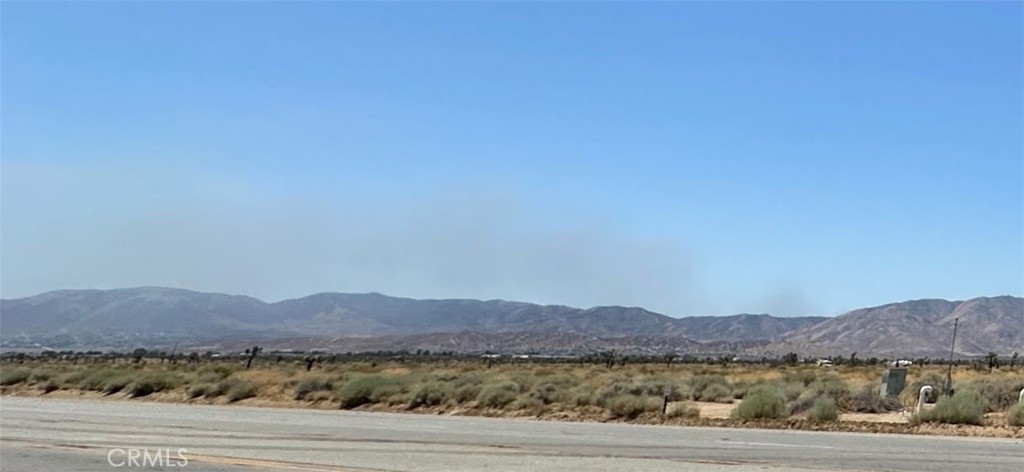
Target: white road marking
pixel 799 446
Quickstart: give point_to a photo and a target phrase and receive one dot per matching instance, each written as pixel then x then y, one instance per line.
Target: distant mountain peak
pixel 146 316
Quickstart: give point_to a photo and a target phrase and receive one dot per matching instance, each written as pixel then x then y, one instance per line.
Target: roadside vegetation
pixel 639 393
pixel 1015 415
pixel 964 407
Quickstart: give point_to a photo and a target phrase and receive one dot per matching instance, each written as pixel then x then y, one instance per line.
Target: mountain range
pixel 155 316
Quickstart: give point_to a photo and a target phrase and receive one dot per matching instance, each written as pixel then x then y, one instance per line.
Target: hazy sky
pixel 691 158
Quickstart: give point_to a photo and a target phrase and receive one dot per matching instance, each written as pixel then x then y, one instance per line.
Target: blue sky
pixel 691 158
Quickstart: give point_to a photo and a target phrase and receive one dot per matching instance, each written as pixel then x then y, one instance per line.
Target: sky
pixel 802 158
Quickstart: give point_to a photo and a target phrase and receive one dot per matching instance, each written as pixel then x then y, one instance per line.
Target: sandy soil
pixel 715 410
pixel 895 417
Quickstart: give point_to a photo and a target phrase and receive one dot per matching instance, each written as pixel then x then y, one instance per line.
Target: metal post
pixel 947 386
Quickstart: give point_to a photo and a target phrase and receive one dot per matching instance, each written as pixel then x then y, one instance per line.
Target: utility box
pixel 894 380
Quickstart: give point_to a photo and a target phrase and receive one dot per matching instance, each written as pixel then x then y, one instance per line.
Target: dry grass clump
pixel 995 394
pixel 964 407
pixel 9 376
pixel 710 388
pixel 153 382
pixel 763 403
pixel 240 390
pixel 497 395
pixel 368 389
pixel 823 410
pixel 306 387
pixel 432 393
pixel 828 389
pixel 629 406
pixel 1015 415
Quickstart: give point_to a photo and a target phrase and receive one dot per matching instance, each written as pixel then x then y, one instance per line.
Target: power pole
pixel 947 387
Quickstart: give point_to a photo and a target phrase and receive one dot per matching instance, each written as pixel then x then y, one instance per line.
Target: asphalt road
pixel 78 435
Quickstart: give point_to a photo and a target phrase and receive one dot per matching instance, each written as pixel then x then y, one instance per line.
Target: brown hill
pixel 918 328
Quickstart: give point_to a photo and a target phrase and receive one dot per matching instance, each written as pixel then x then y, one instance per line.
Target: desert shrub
pixel 446 375
pixel 41 375
pixel 561 380
pixel 657 386
pixel 219 388
pixel 830 386
pixel 71 380
pixel 964 407
pixel 823 410
pixel 240 390
pixel 685 393
pixel 401 397
pixel 997 395
pixel 367 389
pixel 116 383
pixel 805 377
pixel 218 371
pixel 432 393
pixel 701 383
pixel 498 395
pixel 683 411
pixel 932 379
pixel 153 382
pixel 14 376
pixel 208 378
pixel 791 390
pixel 310 385
pixel 525 380
pixel 629 406
pixel 94 380
pixel 214 373
pixel 761 403
pixel 543 371
pixel 50 386
pixel 1015 415
pixel 198 389
pixel 466 393
pixel 801 404
pixel 868 400
pixel 582 396
pixel 548 393
pixel 739 390
pixel 716 393
pixel 392 391
pixel 358 391
pixel 365 367
pixel 222 370
pixel 531 404
pixel 617 386
pixel 468 378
